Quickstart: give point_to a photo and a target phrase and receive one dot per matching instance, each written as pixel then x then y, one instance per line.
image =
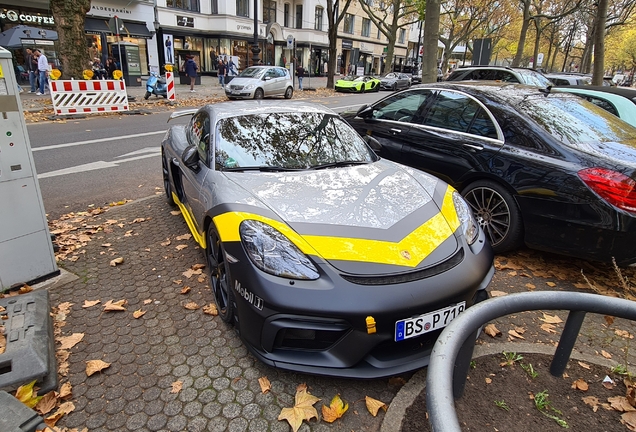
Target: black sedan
pixel 326 258
pixel 395 81
pixel 547 169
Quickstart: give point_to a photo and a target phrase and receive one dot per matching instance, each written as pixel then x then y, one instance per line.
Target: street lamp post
pixel 255 49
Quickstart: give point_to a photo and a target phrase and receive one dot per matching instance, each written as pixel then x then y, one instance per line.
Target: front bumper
pixel 320 326
pixel 239 94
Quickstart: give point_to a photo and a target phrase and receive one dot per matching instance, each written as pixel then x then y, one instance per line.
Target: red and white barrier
pixel 170 85
pixel 92 96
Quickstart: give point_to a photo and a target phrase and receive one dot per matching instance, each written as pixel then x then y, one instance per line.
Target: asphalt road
pixel 100 160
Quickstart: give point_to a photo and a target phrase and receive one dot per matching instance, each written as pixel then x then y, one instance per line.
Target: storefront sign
pixel 366 47
pixel 290 42
pixel 96 8
pixel 347 44
pixel 184 21
pixel 241 27
pixel 14 16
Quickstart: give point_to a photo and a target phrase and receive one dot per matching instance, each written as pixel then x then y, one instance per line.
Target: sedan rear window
pixel 287 140
pixel 577 122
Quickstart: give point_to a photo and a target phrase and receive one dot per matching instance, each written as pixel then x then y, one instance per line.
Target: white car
pixel 257 82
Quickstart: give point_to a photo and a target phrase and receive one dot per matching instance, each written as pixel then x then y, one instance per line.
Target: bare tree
pixel 599 43
pixel 334 16
pixel 389 18
pixel 431 36
pixel 69 18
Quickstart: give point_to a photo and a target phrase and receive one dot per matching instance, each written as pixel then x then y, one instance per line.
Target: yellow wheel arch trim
pixel 419 244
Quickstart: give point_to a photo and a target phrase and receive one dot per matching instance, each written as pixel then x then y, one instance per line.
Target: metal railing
pixel 452 353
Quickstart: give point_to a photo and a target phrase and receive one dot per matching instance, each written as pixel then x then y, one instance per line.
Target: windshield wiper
pixel 263 168
pixel 339 164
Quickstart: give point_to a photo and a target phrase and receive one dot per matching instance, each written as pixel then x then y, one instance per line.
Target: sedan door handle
pixel 396 131
pixel 175 161
pixel 474 147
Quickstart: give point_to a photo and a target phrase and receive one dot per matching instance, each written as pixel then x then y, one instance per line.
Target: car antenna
pixel 546 90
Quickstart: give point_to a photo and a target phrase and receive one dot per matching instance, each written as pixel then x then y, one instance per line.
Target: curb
pixel 410 391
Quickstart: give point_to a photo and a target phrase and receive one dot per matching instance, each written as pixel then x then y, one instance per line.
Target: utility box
pixel 130 62
pixel 26 251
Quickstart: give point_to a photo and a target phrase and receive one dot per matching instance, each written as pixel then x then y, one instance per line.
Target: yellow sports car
pixel 359 84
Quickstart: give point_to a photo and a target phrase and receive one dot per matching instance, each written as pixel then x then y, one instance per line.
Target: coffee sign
pixel 25 18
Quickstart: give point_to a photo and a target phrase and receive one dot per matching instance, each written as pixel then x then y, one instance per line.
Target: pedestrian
pixel 32 68
pixel 300 73
pixel 110 67
pixel 222 72
pixel 191 71
pixel 43 69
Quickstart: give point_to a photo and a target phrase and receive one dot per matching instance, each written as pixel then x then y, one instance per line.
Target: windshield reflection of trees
pixel 288 140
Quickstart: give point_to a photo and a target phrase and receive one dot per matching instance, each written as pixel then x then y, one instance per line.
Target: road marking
pixel 98 140
pixel 100 164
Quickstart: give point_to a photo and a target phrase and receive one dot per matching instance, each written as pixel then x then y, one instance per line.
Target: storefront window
pixel 143 50
pixel 240 49
pixel 269 11
pixel 318 19
pixel 191 5
pixel 242 8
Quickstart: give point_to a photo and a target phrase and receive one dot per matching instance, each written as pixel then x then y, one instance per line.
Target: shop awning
pixel 96 26
pixel 136 30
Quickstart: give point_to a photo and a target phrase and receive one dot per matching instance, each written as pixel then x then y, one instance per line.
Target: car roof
pixel 625 92
pixel 249 107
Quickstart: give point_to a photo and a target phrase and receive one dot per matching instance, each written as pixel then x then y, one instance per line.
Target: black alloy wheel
pixel 394 87
pixel 497 213
pixel 219 276
pixel 167 187
pixel 258 94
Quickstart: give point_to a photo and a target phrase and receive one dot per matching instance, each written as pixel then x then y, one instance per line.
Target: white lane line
pixel 93 166
pixel 98 140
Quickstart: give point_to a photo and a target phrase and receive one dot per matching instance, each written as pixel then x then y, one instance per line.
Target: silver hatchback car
pixel 257 82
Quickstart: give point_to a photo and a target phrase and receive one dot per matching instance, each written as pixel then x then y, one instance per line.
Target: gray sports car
pixel 325 258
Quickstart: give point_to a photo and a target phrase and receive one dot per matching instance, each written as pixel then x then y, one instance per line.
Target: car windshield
pixel 577 122
pixel 288 140
pixel 534 78
pixel 252 72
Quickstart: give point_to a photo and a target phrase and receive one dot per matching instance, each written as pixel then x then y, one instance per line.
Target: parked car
pixel 326 258
pixel 563 79
pixel 359 84
pixel 257 82
pixel 500 73
pixel 620 101
pixel 543 168
pixel 394 81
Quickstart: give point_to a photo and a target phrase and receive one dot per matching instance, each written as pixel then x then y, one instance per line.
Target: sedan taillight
pixel 614 187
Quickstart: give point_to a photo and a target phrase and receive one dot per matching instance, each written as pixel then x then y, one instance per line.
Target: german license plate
pixel 236 92
pixel 416 326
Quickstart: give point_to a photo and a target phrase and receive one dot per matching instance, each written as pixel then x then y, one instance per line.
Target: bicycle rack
pixel 453 350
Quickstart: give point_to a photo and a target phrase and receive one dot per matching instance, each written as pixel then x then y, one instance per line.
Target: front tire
pixel 289 93
pixel 258 94
pixel 498 214
pixel 147 95
pixel 167 187
pixel 219 273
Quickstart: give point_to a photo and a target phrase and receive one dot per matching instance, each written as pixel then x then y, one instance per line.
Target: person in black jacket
pixel 31 65
pixel 300 73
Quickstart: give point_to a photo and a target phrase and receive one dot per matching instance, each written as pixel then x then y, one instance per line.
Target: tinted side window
pixel 483 125
pixel 453 111
pixel 404 106
pixel 508 77
pixel 199 135
pixel 606 105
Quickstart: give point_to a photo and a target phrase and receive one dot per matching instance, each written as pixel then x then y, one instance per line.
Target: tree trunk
pixel 537 42
pixel 523 34
pixel 599 43
pixel 431 36
pixel 69 18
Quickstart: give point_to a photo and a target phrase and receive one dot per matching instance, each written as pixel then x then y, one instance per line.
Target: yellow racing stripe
pixel 198 237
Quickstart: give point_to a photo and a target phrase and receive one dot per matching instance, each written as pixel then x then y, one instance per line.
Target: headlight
pixel 470 229
pixel 274 253
pixel 250 86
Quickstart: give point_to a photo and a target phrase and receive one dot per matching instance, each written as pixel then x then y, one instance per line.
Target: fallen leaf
pixel 47 403
pixel 147 301
pixel 119 305
pixel 26 395
pixel 620 403
pixel 184 237
pixel 266 386
pixel 520 330
pixel 25 289
pixel 495 293
pixel 591 401
pixel 116 261
pixel 181 247
pixel 580 384
pixel 138 220
pixel 397 381
pixel 550 284
pixel 64 307
pixel 624 334
pixel 210 309
pixel 166 243
pixel 302 410
pixel 609 320
pixel 335 410
pixel 551 319
pixel 629 420
pixel 65 390
pixel 93 366
pixel 177 281
pixel 491 330
pixel 584 365
pixel 68 342
pixel 90 303
pixel 515 334
pixel 185 290
pixel 530 286
pixel 191 306
pixel 176 387
pixel 548 328
pixel 488 381
pixel 606 354
pixel 198 266
pixel 175 212
pixel 106 245
pixel 374 405
pixel 138 313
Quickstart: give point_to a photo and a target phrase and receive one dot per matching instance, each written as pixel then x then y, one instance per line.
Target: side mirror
pixel 365 111
pixel 373 143
pixel 190 158
pixel 267 78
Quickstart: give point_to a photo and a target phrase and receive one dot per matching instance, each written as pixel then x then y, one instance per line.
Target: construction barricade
pixel 83 97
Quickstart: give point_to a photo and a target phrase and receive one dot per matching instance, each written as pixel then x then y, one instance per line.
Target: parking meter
pixel 26 251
